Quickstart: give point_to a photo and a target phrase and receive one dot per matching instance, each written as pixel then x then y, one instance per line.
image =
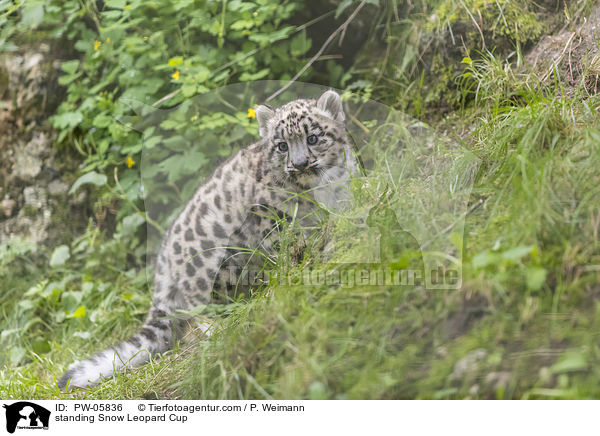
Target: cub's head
pixel 306 140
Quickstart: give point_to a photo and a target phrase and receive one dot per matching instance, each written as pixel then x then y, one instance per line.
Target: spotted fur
pixel 235 208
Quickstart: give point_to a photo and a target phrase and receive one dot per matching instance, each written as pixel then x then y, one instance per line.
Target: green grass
pixel 529 297
pixel 525 317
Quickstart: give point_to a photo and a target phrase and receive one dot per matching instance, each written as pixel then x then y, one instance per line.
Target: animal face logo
pixel 24 414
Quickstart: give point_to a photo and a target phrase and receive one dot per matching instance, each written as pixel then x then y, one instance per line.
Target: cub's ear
pixel 264 114
pixel 331 103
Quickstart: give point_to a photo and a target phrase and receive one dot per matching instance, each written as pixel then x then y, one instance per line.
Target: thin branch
pixel 476 25
pixel 358 123
pixel 314 21
pixel 342 28
pixel 235 61
pixel 166 97
pixel 463 215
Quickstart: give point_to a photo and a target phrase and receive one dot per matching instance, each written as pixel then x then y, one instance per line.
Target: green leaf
pixel 317 391
pixel 247 77
pixel 60 255
pixel 102 120
pixel 87 287
pixel 115 4
pixel 40 346
pixel 173 62
pixel 181 4
pixel 32 14
pixel 202 75
pixel 222 75
pixel 26 304
pixel 483 259
pixel 70 67
pixel 153 141
pixel 79 312
pixel 188 90
pixel 242 24
pixel 269 38
pixel 342 7
pixel 16 354
pixel 514 254
pixel 8 332
pixel 182 164
pixel 571 360
pixel 90 178
pixel 67 120
pixel 300 44
pixel 131 223
pixel 36 289
pixel 170 124
pixel 71 299
pixel 65 80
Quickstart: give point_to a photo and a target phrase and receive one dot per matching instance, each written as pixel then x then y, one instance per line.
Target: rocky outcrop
pixel 30 186
pixel 573 51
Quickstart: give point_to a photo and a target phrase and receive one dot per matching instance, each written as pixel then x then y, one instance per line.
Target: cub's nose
pixel 300 164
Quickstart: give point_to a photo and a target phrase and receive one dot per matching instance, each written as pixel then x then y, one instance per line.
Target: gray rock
pixel 468 364
pixel 57 187
pixel 28 160
pixel 7 205
pixel 35 196
pixel 497 380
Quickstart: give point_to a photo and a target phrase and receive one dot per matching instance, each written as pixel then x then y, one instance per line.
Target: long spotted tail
pixel 154 337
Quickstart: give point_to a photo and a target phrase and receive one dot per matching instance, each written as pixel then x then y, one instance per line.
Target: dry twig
pixel 342 28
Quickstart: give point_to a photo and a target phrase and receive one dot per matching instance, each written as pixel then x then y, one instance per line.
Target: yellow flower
pixel 251 113
pixel 145 38
pixel 107 40
pixel 97 44
pixel 175 75
pixel 130 162
pixel 194 118
pixel 127 7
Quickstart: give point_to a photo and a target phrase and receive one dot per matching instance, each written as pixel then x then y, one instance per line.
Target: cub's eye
pixel 312 139
pixel 282 146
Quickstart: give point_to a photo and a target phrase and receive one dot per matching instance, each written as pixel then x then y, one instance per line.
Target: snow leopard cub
pixel 304 148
